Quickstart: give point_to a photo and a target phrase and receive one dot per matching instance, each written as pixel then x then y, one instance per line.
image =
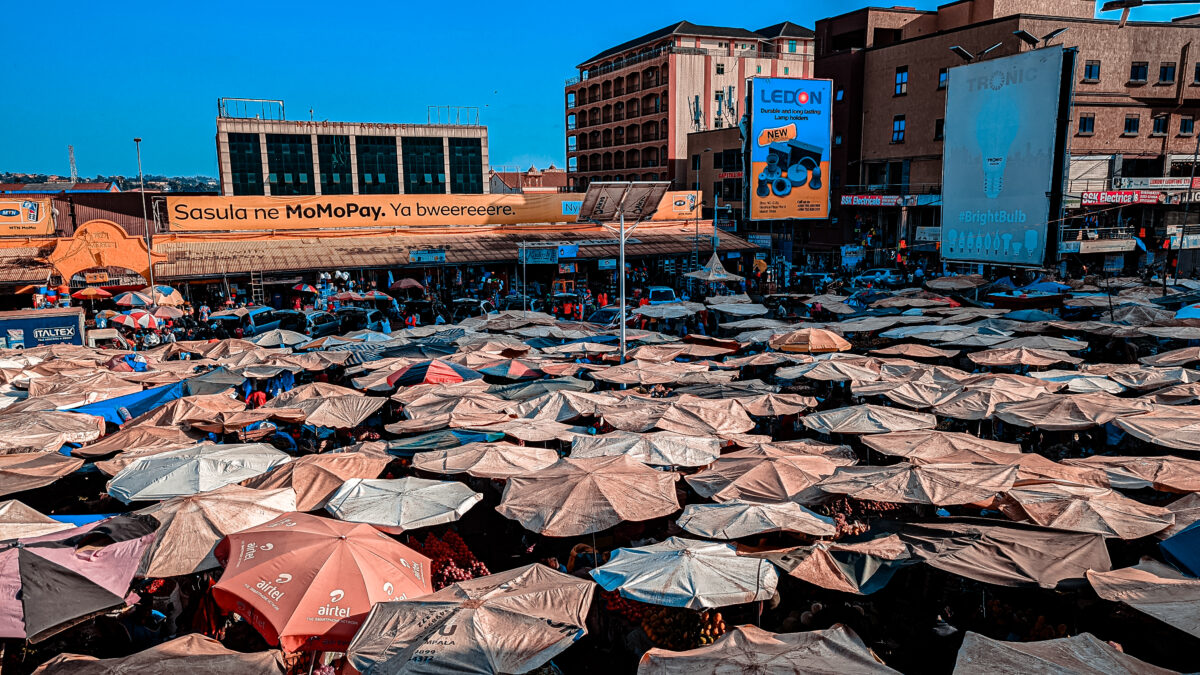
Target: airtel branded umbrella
pixel 136 319
pixel 307 583
pixel 193 653
pixel 200 468
pixel 688 573
pixel 486 460
pixel 736 519
pixel 750 649
pixel 579 496
pixel 315 478
pixel 661 448
pixel 509 622
pixel 937 484
pixel 408 503
pixel 434 371
pixel 132 299
pixel 190 527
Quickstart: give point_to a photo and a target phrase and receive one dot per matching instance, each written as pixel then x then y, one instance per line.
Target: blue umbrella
pixel 1030 315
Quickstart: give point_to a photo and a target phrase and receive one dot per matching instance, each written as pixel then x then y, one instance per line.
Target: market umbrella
pixel 1165 473
pixel 956 283
pixel 1144 377
pixel 509 622
pixel 1175 357
pixel 132 299
pixel 165 312
pixel 981 404
pixel 136 319
pixel 315 478
pixel 19 521
pixel 833 370
pixel 932 444
pixel 200 468
pixel 305 288
pixel 750 649
pixel 307 583
pixel 1155 589
pixel 190 527
pixel 1021 356
pixel 916 351
pixel 91 293
pixel 193 653
pixel 1082 654
pixel 1172 427
pixel 279 337
pixel 407 283
pixel 763 474
pixel 713 272
pixel 486 460
pixel 921 395
pixel 680 572
pixel 937 484
pixel 1068 412
pixel 54 581
pixel 775 405
pixel 661 448
pixel 163 295
pixel 810 341
pixel 339 412
pixel 376 295
pixel 579 496
pixel 434 371
pixel 1080 508
pixel 736 519
pixel 347 296
pixel 395 506
pixel 647 372
pixel 28 470
pixel 867 419
pixel 513 369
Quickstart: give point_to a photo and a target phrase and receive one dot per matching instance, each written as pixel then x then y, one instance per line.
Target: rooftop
pixel 785 29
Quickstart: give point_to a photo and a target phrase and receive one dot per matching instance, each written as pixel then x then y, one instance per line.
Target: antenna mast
pixel 74 171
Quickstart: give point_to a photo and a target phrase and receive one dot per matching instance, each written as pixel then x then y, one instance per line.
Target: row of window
pixel 1133 125
pixel 900 126
pixel 1139 71
pixel 901 88
pixel 290 165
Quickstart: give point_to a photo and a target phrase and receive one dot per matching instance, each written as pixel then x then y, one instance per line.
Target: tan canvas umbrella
pixel 315 390
pixel 736 519
pixel 1176 357
pixel 339 412
pixel 956 283
pixel 1186 510
pixel 509 622
pixel 1172 427
pixel 1078 508
pixel 937 484
pixel 860 567
pixel 647 373
pixel 810 341
pixel 1078 382
pixel 1169 474
pixel 1172 332
pixel 775 405
pixel 765 359
pixel 670 352
pixel 1156 589
pixel 1137 377
pixel 839 454
pixel 1021 356
pixel 916 351
pixel 578 496
pixel 1067 412
pixel 749 649
pixel 1079 655
pixel 1006 381
pixel 136 439
pixel 28 470
pixel 486 460
pixel 981 404
pixel 1044 343
pixel 1179 394
pixel 701 416
pixel 194 654
pixel 921 395
pixel 47 430
pixel 191 527
pixel 662 448
pixel 836 370
pixel 315 478
pixel 931 444
pixel 763 474
pixel 564 406
pixel 18 521
pixel 174 414
pixel 868 419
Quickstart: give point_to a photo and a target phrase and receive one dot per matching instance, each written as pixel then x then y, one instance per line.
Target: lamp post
pixel 137 143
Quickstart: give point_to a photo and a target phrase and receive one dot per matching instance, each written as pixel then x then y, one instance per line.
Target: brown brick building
pixel 1137 89
pixel 630 109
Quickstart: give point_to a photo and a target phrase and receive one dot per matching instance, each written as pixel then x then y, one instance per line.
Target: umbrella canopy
pixel 404 504
pixel 1021 356
pixel 339 412
pixel 763 474
pixel 190 527
pixel 1043 342
pixel 315 478
pixel 916 351
pixel 307 583
pixel 407 283
pixel 510 622
pixel 579 496
pixel 1175 357
pixel 868 419
pixel 91 293
pixel 513 369
pixel 937 484
pixel 28 470
pixel 486 460
pixel 713 272
pixel 305 288
pixel 932 444
pixel 736 519
pixel 775 405
pixel 956 283
pixel 434 371
pixel 279 337
pixel 193 653
pixel 132 299
pixel 1082 654
pixel 1153 588
pixel 200 468
pixel 750 649
pixel 1168 474
pixel 1079 508
pixel 136 319
pixel 1172 427
pixel 810 341
pixel 165 312
pixel 376 295
pixel 981 404
pixel 648 372
pixel 833 370
pixel 661 448
pixel 1066 412
pixel 19 521
pixel 688 573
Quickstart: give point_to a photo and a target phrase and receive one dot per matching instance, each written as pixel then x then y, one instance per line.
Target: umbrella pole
pixel 313 662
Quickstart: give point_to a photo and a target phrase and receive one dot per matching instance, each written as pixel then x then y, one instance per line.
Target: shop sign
pixel 872 200
pixel 1120 197
pixel 1106 245
pixel 95 277
pixel 538 255
pixel 733 255
pixel 566 268
pixel 1114 263
pixel 606 264
pixel 760 256
pixel 761 240
pixel 429 255
pixel 928 234
pixel 568 251
pixel 1121 183
pixel 728 175
pixel 1187 241
pixel 1068 246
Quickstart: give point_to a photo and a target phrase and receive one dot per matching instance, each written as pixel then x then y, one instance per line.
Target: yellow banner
pixel 194 214
pixel 25 217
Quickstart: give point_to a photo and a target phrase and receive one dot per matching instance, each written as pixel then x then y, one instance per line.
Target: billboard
pixel 790 128
pixel 25 217
pixel 998 168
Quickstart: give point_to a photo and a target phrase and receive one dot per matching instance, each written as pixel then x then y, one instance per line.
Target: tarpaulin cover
pixel 1156 589
pixel 750 649
pixel 1079 655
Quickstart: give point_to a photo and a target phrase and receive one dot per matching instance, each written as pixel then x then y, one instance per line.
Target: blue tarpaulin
pixel 1183 550
pixel 124 408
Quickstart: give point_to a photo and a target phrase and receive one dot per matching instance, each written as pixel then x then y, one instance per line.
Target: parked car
pixel 661 295
pixel 813 282
pixel 465 308
pixel 361 318
pixel 516 303
pixel 252 320
pixel 607 316
pixel 879 277
pixel 106 338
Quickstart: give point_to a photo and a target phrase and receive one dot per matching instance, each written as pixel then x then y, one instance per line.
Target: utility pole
pixel 137 142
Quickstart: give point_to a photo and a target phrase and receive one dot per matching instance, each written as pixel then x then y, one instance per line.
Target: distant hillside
pixel 153 182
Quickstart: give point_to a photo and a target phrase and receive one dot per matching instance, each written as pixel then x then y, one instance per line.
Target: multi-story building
pixel 276 157
pixel 532 181
pixel 1136 91
pixel 631 107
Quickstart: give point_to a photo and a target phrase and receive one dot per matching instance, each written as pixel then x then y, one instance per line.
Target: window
pixel 939 129
pixel 245 164
pixel 791 46
pixel 1139 71
pixel 1160 126
pixel 718 122
pixel 466 166
pixel 785 70
pixel 333 154
pixel 901 81
pixel 1196 75
pixel 839 94
pixel 1087 124
pixel 1187 126
pixel 290 163
pixel 377 172
pixel 1132 124
pixel 758 69
pixel 1166 73
pixel 898 129
pixel 943 77
pixel 716 160
pixel 837 140
pixel 719 97
pixel 720 68
pixel 424 165
pixel 1091 71
pixel 695 162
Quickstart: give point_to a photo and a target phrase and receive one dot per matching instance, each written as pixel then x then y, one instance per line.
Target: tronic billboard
pixel 790 127
pixel 998 166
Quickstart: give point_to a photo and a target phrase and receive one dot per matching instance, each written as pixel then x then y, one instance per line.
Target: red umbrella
pixel 305 288
pixel 405 284
pixel 91 293
pixel 434 371
pixel 136 319
pixel 347 296
pixel 307 582
pixel 376 295
pixel 133 299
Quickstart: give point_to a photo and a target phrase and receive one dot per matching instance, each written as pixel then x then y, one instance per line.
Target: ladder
pixel 256 287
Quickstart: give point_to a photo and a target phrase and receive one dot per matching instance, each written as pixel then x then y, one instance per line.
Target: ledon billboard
pixel 790 128
pixel 998 168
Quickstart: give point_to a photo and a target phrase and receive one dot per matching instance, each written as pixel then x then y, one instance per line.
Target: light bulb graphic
pixel 995 128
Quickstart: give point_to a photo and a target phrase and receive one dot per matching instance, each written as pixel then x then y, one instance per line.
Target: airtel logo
pixel 388 589
pixel 283 578
pixel 337 595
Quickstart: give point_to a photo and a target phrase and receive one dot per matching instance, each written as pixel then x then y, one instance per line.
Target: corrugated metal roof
pixel 20 266
pixel 215 258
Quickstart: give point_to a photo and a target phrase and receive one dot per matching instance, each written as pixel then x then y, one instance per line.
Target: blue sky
pixel 97 74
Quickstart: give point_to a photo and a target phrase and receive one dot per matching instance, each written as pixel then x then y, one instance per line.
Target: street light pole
pixel 137 143
pixel 1187 206
pixel 621 286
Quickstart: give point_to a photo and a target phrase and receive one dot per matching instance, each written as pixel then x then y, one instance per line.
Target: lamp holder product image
pixel 803 163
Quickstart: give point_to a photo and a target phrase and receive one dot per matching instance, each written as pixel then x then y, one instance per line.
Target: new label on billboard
pixel 998 164
pixel 790 128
